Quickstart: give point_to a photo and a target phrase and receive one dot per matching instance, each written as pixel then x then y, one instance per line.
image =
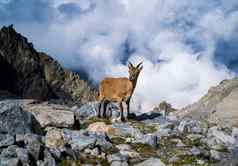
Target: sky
pixel 186 46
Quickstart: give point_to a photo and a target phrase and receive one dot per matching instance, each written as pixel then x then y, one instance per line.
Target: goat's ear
pixel 139 64
pixel 140 68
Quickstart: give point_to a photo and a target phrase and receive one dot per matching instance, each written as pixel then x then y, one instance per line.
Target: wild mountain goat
pixel 118 90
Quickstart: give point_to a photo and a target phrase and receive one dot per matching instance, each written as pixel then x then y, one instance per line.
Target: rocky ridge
pixel 32 75
pixel 219 105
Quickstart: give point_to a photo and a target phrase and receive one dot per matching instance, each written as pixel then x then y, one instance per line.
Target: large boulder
pixel 219 105
pixel 47 114
pixel 14 120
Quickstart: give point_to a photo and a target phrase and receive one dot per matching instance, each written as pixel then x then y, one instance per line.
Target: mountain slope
pixel 219 105
pixel 30 74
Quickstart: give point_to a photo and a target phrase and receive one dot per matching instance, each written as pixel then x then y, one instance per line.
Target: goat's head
pixel 134 71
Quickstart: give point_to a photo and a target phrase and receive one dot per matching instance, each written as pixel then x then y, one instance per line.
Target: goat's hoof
pixel 99 116
pixel 123 119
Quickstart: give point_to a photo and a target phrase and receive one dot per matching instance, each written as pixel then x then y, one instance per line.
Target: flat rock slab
pixel 50 114
pixel 45 113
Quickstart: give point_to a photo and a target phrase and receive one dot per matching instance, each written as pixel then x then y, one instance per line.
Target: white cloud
pixel 181 33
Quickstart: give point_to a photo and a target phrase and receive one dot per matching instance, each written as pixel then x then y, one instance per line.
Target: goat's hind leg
pixel 105 108
pixel 122 115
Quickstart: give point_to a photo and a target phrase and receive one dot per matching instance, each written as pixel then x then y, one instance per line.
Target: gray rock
pixel 78 140
pixel 93 152
pixel 6 140
pixel 117 157
pixel 221 136
pixel 150 139
pixel 102 141
pixel 9 157
pixel 235 133
pixel 22 154
pixel 127 130
pixel 19 138
pixel 195 151
pixel 190 126
pixel 48 159
pixel 125 150
pixel 162 132
pixel 217 155
pixel 119 163
pixel 152 162
pixel 86 111
pixel 34 145
pixel 48 114
pixel 56 153
pixel 9 162
pixel 13 120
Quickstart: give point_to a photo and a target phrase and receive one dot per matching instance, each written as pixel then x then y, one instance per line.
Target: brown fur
pixel 118 89
pixel 115 89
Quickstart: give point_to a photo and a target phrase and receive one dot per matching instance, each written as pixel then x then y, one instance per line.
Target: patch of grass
pixel 144 150
pixel 118 140
pixel 86 160
pixel 145 129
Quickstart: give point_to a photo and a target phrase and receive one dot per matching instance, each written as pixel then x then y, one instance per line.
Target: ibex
pixel 118 90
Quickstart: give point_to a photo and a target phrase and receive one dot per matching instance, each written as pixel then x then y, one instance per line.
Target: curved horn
pixel 139 64
pixel 130 64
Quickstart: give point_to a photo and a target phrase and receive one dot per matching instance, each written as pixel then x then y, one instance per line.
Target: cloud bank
pixel 186 46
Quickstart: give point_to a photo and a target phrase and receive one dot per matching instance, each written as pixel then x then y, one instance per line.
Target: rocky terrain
pixel 48 118
pixel 45 134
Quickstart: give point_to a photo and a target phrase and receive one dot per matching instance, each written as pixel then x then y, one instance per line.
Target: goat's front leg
pixel 121 109
pixel 99 109
pixel 128 108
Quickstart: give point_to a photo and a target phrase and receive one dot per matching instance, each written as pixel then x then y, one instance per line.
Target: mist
pixel 186 46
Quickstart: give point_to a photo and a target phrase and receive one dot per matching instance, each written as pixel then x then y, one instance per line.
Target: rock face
pixel 30 74
pixel 20 63
pixel 64 83
pixel 219 105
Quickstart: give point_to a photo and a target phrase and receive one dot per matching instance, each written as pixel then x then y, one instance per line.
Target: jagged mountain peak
pixel 31 74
